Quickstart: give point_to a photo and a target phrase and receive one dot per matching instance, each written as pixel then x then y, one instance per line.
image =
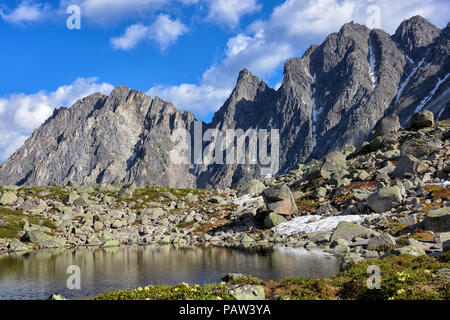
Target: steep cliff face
pixel 331 97
pixel 124 137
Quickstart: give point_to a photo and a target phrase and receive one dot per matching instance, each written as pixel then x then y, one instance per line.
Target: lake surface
pixel 38 274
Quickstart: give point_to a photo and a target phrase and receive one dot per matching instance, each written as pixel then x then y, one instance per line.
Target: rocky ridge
pixel 388 196
pixel 330 98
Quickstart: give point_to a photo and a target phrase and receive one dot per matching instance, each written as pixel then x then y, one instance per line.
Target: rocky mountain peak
pixel 414 35
pixel 330 98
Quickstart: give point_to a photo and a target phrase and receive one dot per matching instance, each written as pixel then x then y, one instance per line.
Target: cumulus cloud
pixel 109 11
pixel 192 97
pixel 132 36
pixel 265 45
pixel 22 113
pixel 229 12
pixel 26 11
pixel 164 31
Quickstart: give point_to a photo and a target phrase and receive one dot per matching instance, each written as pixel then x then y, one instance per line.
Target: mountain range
pixel 330 98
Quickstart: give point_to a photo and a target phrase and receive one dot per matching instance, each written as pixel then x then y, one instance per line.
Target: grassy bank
pixel 402 277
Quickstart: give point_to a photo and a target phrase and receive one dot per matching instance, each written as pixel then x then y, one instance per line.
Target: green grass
pixel 179 292
pixel 15 220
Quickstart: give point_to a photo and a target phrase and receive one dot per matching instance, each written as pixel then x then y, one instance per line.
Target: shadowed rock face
pixel 333 96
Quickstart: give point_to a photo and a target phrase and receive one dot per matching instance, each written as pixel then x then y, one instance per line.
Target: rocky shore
pixel 390 196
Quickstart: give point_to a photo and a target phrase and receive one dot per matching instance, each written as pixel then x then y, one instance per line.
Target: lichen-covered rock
pixel 273 219
pixel 385 199
pixel 8 198
pixel 42 239
pixel 388 124
pixel 348 231
pixel 438 220
pixel 421 119
pixel 279 200
pixel 247 292
pixel 383 239
pixel 254 186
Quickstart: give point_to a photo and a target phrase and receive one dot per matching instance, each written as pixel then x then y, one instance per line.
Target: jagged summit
pixel 331 97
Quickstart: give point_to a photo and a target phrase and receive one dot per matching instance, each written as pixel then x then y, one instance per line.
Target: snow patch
pixel 405 83
pixel 372 64
pixel 428 98
pixel 247 198
pixel 310 224
pixel 443 183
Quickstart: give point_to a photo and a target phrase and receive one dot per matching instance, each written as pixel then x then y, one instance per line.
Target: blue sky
pixel 188 52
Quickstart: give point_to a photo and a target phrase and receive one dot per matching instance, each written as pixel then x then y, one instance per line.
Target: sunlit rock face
pixel 333 96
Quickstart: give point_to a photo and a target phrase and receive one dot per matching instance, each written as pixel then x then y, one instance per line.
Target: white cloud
pixel 105 12
pixel 230 12
pixel 166 31
pixel 291 28
pixel 133 35
pixel 192 97
pixel 26 11
pixel 22 113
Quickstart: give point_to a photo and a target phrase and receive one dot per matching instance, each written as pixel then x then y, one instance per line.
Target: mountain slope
pixel 331 97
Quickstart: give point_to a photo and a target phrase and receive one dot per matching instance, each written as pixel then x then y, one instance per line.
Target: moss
pixel 184 225
pixel 164 292
pixel 15 220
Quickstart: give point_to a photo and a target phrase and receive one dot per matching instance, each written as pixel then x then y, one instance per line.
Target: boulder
pixel 254 186
pixel 126 192
pixel 408 166
pixel 421 119
pixel 385 199
pixel 334 163
pixel 438 220
pixel 410 249
pixel 71 197
pixel 383 239
pixel 154 213
pixel 17 246
pixel 247 292
pixel 273 219
pixel 444 239
pixel 42 239
pixel 349 258
pixel 279 200
pixel 8 198
pixel 348 231
pixel 388 124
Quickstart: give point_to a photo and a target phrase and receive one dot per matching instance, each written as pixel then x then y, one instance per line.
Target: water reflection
pixel 38 274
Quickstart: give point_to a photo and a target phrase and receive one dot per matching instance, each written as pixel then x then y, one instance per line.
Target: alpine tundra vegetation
pixel 364 173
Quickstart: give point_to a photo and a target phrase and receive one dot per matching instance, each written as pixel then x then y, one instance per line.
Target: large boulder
pixel 410 249
pixel 8 198
pixel 421 119
pixel 409 166
pixel 42 239
pixel 348 231
pixel 438 220
pixel 279 200
pixel 383 239
pixel 254 186
pixel 273 219
pixel 247 292
pixel 388 124
pixel 385 199
pixel 334 163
